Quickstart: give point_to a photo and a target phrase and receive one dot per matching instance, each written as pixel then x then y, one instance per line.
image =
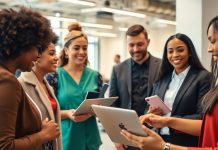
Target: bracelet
pixel 166 146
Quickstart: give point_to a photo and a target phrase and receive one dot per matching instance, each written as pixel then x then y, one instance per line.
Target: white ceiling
pixel 163 9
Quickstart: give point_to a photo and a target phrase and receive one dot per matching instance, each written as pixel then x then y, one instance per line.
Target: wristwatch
pixel 166 146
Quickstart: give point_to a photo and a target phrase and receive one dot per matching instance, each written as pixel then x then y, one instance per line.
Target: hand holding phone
pixel 155 101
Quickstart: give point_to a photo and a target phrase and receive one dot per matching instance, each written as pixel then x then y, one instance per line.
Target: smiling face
pixel 213 43
pixel 77 51
pixel 178 54
pixel 47 61
pixel 137 46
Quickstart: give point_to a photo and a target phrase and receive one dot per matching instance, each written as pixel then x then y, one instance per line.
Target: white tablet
pixel 85 106
pixel 115 119
pixel 155 101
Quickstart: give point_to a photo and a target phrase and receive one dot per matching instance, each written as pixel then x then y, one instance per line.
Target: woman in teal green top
pixel 74 80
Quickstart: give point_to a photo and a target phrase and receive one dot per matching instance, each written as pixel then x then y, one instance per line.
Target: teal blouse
pixel 81 135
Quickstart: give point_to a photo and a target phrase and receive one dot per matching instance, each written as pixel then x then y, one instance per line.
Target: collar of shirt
pixel 181 75
pixel 133 63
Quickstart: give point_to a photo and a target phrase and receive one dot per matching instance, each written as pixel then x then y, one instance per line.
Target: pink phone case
pixel 155 101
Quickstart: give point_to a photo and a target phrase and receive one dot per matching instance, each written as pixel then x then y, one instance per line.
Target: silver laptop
pixel 85 106
pixel 115 119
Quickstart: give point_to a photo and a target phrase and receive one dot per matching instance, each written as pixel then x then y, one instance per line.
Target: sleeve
pixel 155 88
pixel 52 79
pixel 10 102
pixel 202 148
pixel 204 86
pixel 113 89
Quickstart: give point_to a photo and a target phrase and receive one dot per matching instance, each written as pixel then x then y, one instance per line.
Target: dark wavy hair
pixel 22 30
pixel 194 61
pixel 211 97
pixel 136 30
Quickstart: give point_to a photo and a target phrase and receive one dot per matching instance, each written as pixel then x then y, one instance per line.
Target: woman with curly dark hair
pixel 24 34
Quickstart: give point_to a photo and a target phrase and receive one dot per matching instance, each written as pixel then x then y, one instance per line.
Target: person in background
pixel 183 83
pixel 41 92
pixel 24 33
pixel 206 129
pixel 132 80
pixel 116 59
pixel 73 80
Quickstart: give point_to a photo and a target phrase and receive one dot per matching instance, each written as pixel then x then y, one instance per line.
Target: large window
pixel 93 52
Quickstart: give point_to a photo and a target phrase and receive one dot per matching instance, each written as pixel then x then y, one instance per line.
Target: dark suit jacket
pixel 121 81
pixel 187 101
pixel 19 118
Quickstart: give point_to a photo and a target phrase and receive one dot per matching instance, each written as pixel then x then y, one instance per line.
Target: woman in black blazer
pixel 182 84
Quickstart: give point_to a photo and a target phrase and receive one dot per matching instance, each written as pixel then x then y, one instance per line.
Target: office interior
pixel 106 21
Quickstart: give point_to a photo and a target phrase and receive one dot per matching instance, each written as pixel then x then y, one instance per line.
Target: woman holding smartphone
pixel 206 129
pixel 182 84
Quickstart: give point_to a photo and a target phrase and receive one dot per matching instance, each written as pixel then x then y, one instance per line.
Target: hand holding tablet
pixel 85 106
pixel 116 119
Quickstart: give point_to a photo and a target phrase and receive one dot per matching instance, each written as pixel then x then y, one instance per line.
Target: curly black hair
pixel 22 30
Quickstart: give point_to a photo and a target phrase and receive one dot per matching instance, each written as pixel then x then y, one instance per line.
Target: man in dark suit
pixel 132 80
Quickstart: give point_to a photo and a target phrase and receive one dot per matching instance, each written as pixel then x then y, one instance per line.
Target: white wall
pixel 194 21
pixel 111 46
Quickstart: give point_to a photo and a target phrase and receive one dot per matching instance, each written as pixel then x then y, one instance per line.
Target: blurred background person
pixel 183 83
pixel 24 33
pixel 72 81
pixel 41 92
pixel 117 59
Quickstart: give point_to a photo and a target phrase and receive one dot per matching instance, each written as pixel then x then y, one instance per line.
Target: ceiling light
pixel 123 29
pixel 61 19
pixel 94 25
pixel 166 21
pixel 79 2
pixel 85 24
pixel 115 11
pixel 57 14
pixel 102 34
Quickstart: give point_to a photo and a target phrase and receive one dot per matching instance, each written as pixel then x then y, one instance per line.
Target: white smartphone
pixel 155 101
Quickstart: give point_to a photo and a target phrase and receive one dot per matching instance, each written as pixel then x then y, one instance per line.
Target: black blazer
pixel 187 102
pixel 121 81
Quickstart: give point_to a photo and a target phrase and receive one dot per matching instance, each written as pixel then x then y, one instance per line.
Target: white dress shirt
pixel 171 92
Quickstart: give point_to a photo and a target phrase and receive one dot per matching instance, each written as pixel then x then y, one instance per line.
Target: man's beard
pixel 142 56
